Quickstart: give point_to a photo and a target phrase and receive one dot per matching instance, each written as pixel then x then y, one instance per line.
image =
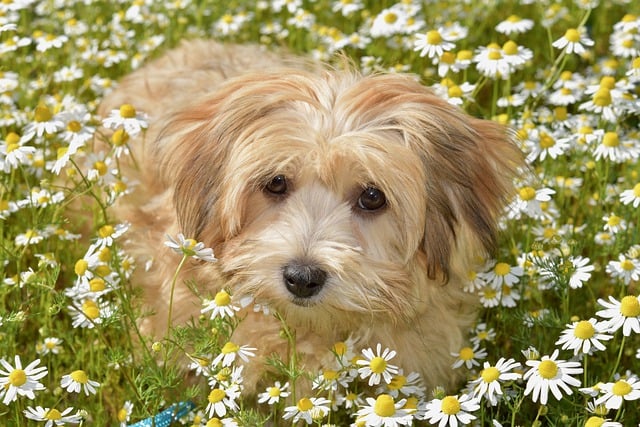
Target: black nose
pixel 303 280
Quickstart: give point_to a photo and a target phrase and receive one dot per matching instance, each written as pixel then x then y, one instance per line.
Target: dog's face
pixel 336 196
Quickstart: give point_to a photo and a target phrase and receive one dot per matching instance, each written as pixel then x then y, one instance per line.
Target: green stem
pixel 173 288
pixel 615 367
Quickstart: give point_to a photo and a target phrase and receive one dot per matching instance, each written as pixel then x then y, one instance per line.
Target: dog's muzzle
pixel 303 280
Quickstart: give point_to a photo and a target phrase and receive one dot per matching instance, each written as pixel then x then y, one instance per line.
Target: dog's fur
pixel 225 120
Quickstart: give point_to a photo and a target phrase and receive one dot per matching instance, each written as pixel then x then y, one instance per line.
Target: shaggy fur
pixel 225 120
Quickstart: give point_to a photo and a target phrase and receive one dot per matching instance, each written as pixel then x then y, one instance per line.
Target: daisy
pixel 274 393
pixel 77 381
pixel 44 122
pixel 488 383
pixel 503 274
pixel 490 296
pixel 451 410
pixel 469 357
pixel 614 224
pixel 491 63
pixel 309 409
pixel 17 381
pixel 375 366
pixel 543 144
pixel 584 336
pixel 600 422
pixel 222 400
pixel 581 271
pixel 190 247
pixel 573 41
pixel 514 24
pixel 50 345
pixel 220 306
pixel 389 22
pixel 128 118
pixel 52 416
pixel 330 379
pixel 410 385
pixel 631 196
pixel 347 7
pixel 29 237
pixel 626 269
pixel 529 202
pixel 550 374
pixel 383 411
pixel 229 352
pixel 482 334
pixel 89 313
pixel 108 233
pixel 432 44
pixel 13 153
pixel 623 314
pixel 615 393
pixel 124 414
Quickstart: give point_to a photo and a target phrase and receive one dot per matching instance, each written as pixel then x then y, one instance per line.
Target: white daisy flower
pixel 625 269
pixel 469 356
pixel 501 273
pixel 274 393
pixel 450 410
pixel 52 416
pixel 127 118
pixel 222 400
pixel 409 385
pixel 384 411
pixel 124 414
pixel 584 336
pixel 50 345
pixel 229 353
pixel 623 314
pixel 514 24
pixel 190 247
pixel 550 374
pixel 529 202
pixel 220 306
pixel 488 383
pixel 616 393
pixel 78 381
pixel 389 22
pixel 432 44
pixel 16 381
pixel 375 366
pixel 308 409
pixel 631 196
pixel 574 40
pixel 581 271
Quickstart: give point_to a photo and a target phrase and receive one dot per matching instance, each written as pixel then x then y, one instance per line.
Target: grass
pixel 570 240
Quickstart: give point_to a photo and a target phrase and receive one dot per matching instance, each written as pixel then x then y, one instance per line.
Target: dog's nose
pixel 303 280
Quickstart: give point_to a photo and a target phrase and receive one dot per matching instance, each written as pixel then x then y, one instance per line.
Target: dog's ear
pixel 469 166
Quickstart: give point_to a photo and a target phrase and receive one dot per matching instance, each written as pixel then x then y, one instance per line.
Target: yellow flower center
pixel 572 35
pixel 610 139
pixel 630 306
pixel 97 284
pixel 384 406
pixel 513 18
pixel 621 388
pixel 222 299
pixel 229 347
pixel 502 269
pixel 53 415
pixel 127 111
pixel 122 415
pixel 548 369
pixel 79 376
pixel 90 309
pixel 216 395
pixel 434 37
pixel 527 193
pixel 397 382
pixel 103 270
pixel 106 231
pixel 466 353
pixel 74 126
pixel 390 18
pixel 329 375
pixel 214 422
pixel 464 55
pixel 614 220
pixel 101 167
pixel 594 422
pixel 12 138
pixel 120 137
pixel 378 365
pixel 42 114
pixel 489 292
pixel 546 140
pixel 274 391
pixel 450 405
pixel 510 47
pixel 627 265
pixel 454 92
pixel 340 348
pixel 17 377
pixel 304 404
pixel 448 58
pixel 490 374
pixel 81 267
pixel 494 55
pixel 584 330
pixel 602 97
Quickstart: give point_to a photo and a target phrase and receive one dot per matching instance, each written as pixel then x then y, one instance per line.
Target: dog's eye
pixel 277 185
pixel 371 199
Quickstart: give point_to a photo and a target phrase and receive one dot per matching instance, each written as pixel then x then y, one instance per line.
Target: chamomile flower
pixel 550 374
pixel 469 356
pixel 16 381
pixel 50 345
pixel 482 334
pixel 501 273
pixel 514 24
pixel 44 123
pixel 574 40
pixel 221 400
pixel 127 118
pixel 108 233
pixel 581 271
pixel 309 409
pixel 487 385
pixel 274 393
pixel 229 353
pixel 190 247
pixel 78 381
pixel 616 393
pixel 625 269
pixel 13 152
pixel 220 306
pixel 375 366
pixel 51 416
pixel 583 337
pixel 623 314
pixel 383 411
pixel 389 22
pixel 529 202
pixel 409 385
pixel 491 62
pixel 330 379
pixel 451 410
pixel 631 196
pixel 347 7
pixel 124 414
pixel 89 313
pixel 432 44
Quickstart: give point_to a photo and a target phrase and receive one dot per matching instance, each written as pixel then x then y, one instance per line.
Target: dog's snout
pixel 303 280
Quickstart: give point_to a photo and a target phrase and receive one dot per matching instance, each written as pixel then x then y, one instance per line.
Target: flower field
pixel 557 340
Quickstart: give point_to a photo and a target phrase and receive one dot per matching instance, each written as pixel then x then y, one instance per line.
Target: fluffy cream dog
pixel 353 205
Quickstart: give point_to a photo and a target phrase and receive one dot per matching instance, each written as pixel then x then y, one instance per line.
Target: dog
pixel 353 205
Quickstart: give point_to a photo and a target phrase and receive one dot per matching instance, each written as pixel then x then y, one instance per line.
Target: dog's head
pixel 336 193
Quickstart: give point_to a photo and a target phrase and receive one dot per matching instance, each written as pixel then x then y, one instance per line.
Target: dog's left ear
pixel 469 164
